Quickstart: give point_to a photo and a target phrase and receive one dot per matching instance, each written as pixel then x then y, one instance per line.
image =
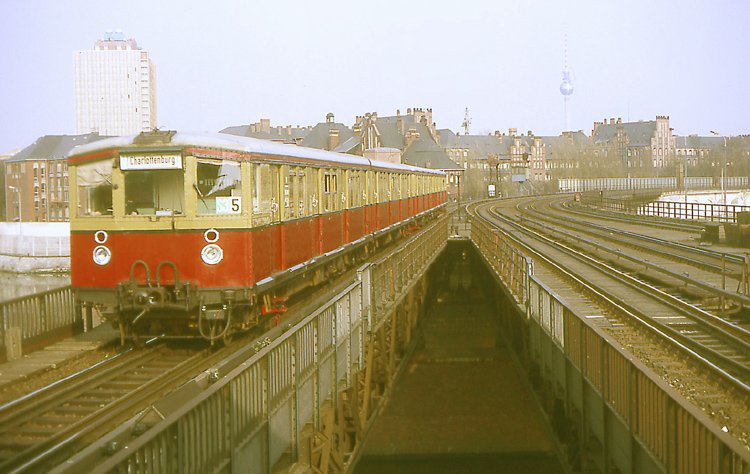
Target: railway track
pixel 696 266
pixel 700 255
pixel 706 342
pixel 648 221
pixel 45 426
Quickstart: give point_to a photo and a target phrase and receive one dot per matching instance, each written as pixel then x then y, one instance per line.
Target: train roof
pixel 240 144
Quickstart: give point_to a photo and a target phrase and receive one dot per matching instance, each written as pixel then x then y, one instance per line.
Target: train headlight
pixel 102 255
pixel 212 254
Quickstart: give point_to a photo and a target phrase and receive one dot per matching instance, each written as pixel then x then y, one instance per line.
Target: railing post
pixel 13 345
pixel 88 317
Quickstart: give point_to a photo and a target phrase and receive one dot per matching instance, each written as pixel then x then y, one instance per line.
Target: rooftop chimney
pixel 333 138
pixel 412 136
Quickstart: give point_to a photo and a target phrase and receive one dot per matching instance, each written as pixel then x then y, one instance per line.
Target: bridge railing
pixel 391 274
pixel 285 402
pixel 635 204
pixel 573 185
pixel 505 259
pixel 28 319
pixel 613 393
pixel 693 211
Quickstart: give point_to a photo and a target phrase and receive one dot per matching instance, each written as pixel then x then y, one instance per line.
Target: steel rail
pixel 652 221
pixel 37 456
pixel 688 346
pixel 620 254
pixel 729 257
pixel 708 321
pixel 35 397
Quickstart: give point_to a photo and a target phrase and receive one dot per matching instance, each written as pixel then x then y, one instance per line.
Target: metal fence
pixel 33 317
pixel 574 185
pixel 642 206
pixel 629 417
pixel 693 211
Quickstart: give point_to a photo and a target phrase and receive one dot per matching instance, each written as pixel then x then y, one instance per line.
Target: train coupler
pixel 274 305
pixel 214 314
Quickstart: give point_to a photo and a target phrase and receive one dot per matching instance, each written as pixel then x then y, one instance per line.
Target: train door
pixel 370 205
pixel 355 210
pixel 346 201
pixel 265 197
pixel 311 193
pixel 415 195
pixel 403 210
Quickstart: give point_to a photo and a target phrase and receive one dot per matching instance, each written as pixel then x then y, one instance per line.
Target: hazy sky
pixel 222 62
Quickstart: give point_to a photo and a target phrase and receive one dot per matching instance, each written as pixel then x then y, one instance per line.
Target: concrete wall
pixel 34 247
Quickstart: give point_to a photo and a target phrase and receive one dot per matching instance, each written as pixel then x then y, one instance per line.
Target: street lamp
pixel 18 192
pixel 724 167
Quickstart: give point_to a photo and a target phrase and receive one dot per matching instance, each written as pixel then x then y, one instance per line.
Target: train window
pixel 94 181
pixel 329 183
pixel 153 192
pixel 330 187
pixel 218 187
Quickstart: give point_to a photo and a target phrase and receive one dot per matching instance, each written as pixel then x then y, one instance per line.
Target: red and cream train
pixel 183 234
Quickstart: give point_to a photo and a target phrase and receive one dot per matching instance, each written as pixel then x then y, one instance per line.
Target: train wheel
pixel 138 341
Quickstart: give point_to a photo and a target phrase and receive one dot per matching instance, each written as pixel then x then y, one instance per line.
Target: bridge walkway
pixel 461 404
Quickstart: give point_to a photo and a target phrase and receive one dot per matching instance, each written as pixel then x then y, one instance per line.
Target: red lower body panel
pixel 248 255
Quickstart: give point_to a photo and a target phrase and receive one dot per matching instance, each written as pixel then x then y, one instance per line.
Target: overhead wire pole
pixel 723 168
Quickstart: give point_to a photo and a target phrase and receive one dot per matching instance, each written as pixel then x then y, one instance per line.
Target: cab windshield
pixel 94 182
pixel 154 192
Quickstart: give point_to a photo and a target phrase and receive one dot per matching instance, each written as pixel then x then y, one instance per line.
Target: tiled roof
pixel 54 147
pixel 318 136
pixel 274 133
pixel 638 133
pixel 425 153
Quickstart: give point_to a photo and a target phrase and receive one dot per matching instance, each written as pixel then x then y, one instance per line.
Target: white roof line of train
pixel 249 145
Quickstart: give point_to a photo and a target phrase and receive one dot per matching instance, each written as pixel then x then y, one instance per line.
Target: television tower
pixel 467 122
pixel 566 88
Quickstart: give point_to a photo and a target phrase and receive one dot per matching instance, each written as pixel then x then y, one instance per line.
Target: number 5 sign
pixel 229 205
